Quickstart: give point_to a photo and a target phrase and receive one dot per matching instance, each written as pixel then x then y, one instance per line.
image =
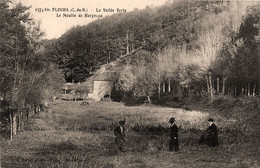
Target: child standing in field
pixel 119 132
pixel 174 144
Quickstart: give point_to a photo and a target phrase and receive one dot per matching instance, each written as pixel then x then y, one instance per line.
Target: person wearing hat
pixel 212 134
pixel 174 144
pixel 119 132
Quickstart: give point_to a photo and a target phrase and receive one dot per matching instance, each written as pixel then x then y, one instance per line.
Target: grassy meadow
pixel 71 135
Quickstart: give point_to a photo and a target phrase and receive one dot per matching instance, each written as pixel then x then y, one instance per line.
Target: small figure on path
pixel 120 135
pixel 212 134
pixel 174 144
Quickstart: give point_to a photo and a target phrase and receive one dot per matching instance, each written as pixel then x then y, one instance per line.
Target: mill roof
pixel 106 76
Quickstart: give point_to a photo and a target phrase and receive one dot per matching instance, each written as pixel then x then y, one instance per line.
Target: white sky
pixel 55 26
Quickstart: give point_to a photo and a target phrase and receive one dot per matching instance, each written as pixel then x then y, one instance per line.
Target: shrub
pixel 224 102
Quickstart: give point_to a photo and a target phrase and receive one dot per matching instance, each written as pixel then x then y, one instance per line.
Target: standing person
pixel 173 135
pixel 119 132
pixel 212 134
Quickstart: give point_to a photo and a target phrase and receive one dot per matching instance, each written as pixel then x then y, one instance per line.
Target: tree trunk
pixel 163 87
pixel 169 85
pixel 248 90
pixel 159 91
pixel 188 91
pixel 22 120
pixel 218 85
pixel 33 110
pixel 109 57
pixel 149 100
pixel 159 87
pixel 207 84
pixel 127 42
pixel 11 125
pixel 223 88
pixel 39 108
pixel 19 121
pixel 235 90
pixel 232 90
pixel 211 88
pixel 28 113
pixel 132 41
pixel 14 123
pixel 254 89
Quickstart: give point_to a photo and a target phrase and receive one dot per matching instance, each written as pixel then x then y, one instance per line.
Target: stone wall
pixel 100 89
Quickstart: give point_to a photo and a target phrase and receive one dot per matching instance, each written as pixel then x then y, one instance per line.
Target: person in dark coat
pixel 119 132
pixel 212 134
pixel 174 144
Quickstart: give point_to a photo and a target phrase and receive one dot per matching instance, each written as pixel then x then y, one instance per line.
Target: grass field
pixel 71 135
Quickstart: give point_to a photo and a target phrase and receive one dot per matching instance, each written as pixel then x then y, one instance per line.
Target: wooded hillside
pixel 203 46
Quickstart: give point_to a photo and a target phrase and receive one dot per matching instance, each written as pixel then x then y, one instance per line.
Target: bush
pixel 227 103
pixel 250 103
pixel 224 102
pixel 117 95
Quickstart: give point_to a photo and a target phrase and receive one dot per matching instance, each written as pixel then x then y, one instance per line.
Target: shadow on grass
pixel 57 148
pixel 57 161
pixel 63 154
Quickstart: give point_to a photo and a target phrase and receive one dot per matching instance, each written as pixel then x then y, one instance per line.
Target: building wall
pixel 100 89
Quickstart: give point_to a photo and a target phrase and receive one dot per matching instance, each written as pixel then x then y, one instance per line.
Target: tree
pixel 24 71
